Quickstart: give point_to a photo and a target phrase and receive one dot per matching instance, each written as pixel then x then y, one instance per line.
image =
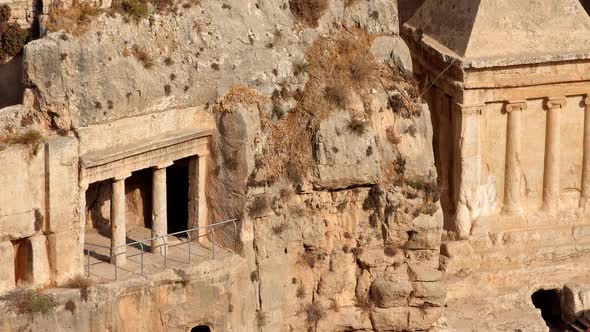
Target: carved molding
pixel 161 157
pixel 555 103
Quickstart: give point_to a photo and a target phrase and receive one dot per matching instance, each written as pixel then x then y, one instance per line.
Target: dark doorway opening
pixel 177 190
pixel 548 302
pixel 201 328
pixel 586 4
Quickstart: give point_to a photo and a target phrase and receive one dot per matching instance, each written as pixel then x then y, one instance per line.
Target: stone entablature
pixel 102 165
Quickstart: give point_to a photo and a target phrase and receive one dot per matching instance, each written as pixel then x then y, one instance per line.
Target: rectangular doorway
pixel 177 190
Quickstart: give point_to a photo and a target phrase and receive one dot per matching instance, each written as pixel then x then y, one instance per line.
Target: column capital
pixel 516 105
pixel 587 100
pixel 163 165
pixel 469 109
pixel 121 177
pixel 555 103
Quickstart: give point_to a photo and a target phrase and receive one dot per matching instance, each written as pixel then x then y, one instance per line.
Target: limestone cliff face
pixel 322 147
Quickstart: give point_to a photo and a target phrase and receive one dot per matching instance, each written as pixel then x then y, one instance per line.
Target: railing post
pixel 213 241
pixel 141 246
pixel 189 246
pixel 87 262
pixel 165 241
pixel 235 236
pixel 114 253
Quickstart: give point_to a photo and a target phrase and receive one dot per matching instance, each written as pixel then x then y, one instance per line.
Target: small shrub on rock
pixel 308 12
pixel 314 312
pixel 261 318
pixel 12 37
pixel 260 205
pixel 29 302
pixel 301 291
pixel 142 56
pixel 280 228
pixel 82 283
pixel 358 126
pixel 73 19
pixel 134 9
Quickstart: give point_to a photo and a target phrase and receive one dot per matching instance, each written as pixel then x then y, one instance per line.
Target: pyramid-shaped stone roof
pixel 484 33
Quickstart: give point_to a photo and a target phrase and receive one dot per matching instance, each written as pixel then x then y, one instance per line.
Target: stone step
pixel 542 236
pixel 460 256
pixel 517 283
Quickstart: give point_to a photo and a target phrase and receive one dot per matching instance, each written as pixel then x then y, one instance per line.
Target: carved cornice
pixel 518 105
pixel 555 103
pixel 148 159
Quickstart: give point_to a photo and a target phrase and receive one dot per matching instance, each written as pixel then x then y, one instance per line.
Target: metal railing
pixel 116 251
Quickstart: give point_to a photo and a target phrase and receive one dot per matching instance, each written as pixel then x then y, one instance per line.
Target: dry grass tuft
pixel 358 126
pixel 142 56
pixel 308 12
pixel 29 302
pixel 392 137
pixel 71 306
pixel 349 3
pixel 307 258
pixel 362 69
pixel 12 37
pixel 337 93
pixel 300 291
pixel 280 228
pixel 32 138
pixel 240 94
pixel 73 19
pixel 81 282
pixel 259 206
pixel 314 312
pixel 261 318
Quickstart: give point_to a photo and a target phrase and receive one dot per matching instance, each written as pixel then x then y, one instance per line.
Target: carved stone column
pixel 585 197
pixel 512 172
pixel 82 219
pixel 118 231
pixel 197 195
pixel 159 208
pixel 468 166
pixel 552 154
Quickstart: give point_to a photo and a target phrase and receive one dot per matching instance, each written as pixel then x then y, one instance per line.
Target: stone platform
pixel 492 275
pixel 103 271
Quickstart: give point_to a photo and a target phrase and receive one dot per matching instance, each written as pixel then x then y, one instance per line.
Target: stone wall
pixel 206 294
pixel 38 214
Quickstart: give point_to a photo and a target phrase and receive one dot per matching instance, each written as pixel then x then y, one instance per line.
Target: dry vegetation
pixel 83 283
pixel 12 37
pixel 142 56
pixel 261 318
pixel 32 138
pixel 260 205
pixel 314 312
pixel 73 19
pixel 337 67
pixel 308 12
pixel 29 302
